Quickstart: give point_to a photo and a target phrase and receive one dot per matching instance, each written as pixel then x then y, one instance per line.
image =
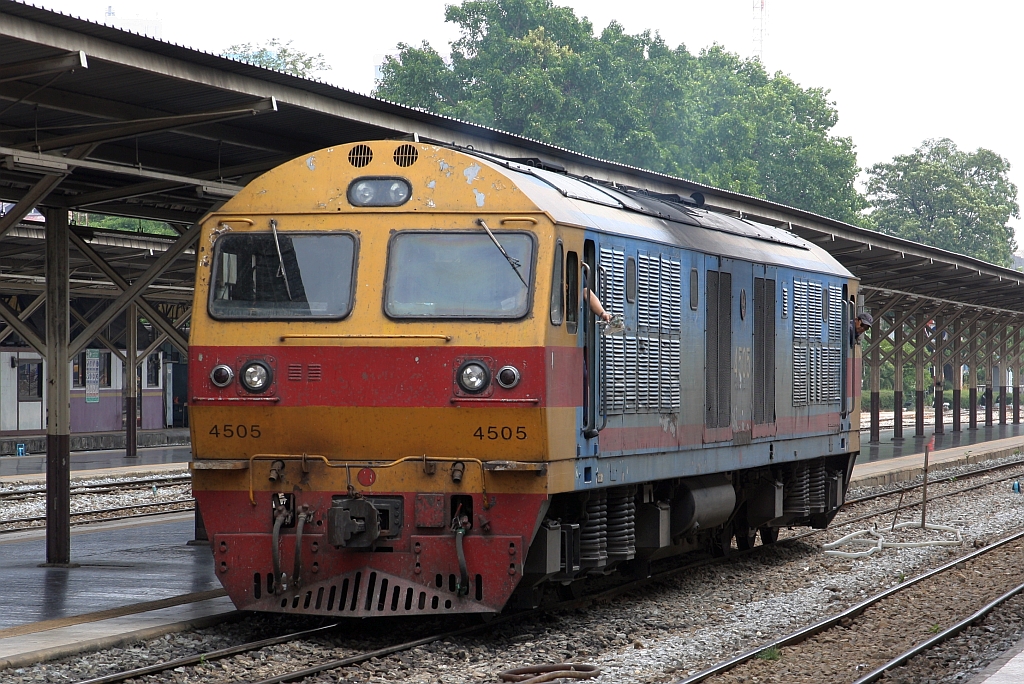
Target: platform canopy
pixel 96 120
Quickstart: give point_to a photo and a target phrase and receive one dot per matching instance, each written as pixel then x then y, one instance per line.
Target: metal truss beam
pixel 20 326
pixel 132 292
pixel 42 67
pixel 41 189
pixel 118 130
pixel 223 189
pixel 25 313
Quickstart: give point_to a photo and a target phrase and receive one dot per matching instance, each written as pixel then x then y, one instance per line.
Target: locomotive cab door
pixel 590 339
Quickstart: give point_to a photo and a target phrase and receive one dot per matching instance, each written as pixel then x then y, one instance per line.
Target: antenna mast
pixel 760 27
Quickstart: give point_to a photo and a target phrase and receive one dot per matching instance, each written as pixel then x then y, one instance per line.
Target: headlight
pixel 255 376
pixel 222 375
pixel 508 377
pixel 379 192
pixel 473 377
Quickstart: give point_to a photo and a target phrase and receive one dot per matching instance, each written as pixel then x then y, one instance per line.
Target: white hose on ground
pixel 876 542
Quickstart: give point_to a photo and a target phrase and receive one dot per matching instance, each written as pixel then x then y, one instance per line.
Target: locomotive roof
pixel 671 220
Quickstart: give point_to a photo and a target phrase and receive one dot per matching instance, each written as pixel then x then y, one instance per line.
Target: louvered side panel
pixel 835 315
pixel 671 295
pixel 711 351
pixel 615 368
pixel 614 288
pixel 631 375
pixel 646 295
pixel 799 309
pixel 725 350
pixel 769 351
pixel 800 374
pixel 837 373
pixel 654 375
pixel 814 312
pixel 648 375
pixel 669 391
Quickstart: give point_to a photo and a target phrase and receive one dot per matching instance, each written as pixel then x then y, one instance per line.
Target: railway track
pixel 182 504
pixel 99 487
pixel 863 642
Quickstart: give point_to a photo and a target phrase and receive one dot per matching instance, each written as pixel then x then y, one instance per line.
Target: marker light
pixel 508 377
pixel 222 375
pixel 379 192
pixel 255 376
pixel 473 377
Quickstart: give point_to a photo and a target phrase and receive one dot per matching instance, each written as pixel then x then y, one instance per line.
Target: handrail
pixel 372 336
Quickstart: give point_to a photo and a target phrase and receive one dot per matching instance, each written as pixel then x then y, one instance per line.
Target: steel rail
pixel 941 637
pixel 825 624
pixel 205 657
pixel 945 478
pixel 100 487
pixel 100 511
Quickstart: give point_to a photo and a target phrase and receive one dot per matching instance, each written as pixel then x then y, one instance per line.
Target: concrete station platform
pixel 99 463
pixel 1009 669
pixel 139 580
pixel 133 580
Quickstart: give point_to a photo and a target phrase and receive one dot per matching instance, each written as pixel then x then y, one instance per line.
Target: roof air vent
pixel 360 155
pixel 406 155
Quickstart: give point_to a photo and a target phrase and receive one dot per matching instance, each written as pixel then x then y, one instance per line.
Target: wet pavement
pixel 95 460
pixel 887 448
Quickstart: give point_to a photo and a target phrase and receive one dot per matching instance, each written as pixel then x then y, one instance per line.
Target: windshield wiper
pixel 514 263
pixel 281 273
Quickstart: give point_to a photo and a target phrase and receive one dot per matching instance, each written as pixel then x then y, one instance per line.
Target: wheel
pixel 721 543
pixel 769 535
pixel 745 536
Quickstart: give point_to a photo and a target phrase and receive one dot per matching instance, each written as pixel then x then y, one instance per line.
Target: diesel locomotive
pixel 402 403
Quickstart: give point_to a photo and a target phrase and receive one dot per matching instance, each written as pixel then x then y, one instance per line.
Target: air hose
pixel 460 524
pixel 875 542
pixel 275 550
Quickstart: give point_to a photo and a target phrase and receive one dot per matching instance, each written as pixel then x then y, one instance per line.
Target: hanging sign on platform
pixel 92 376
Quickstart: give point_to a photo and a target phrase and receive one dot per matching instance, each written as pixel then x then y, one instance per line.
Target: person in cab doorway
pixel 858 326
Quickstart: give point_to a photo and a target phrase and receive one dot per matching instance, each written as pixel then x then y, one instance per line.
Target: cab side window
pixel 557 293
pixel 572 291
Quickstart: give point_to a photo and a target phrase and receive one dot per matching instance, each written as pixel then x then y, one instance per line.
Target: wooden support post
pixel 58 391
pixel 899 339
pixel 131 372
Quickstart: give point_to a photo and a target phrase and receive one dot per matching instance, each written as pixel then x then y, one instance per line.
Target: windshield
pixel 458 275
pixel 249 276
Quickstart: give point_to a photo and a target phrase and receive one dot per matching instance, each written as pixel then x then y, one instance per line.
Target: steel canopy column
pixel 875 381
pixel 131 369
pixel 58 391
pixel 919 383
pixel 1004 372
pixel 1017 374
pixel 990 367
pixel 899 340
pixel 939 373
pixel 972 379
pixel 958 372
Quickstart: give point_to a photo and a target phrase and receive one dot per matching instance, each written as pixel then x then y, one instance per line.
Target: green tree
pixel 947 198
pixel 535 69
pixel 279 57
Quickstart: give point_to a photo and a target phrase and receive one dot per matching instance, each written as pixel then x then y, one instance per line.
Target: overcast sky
pixel 899 71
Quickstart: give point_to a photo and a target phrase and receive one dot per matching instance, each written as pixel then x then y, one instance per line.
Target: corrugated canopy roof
pixel 154 130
